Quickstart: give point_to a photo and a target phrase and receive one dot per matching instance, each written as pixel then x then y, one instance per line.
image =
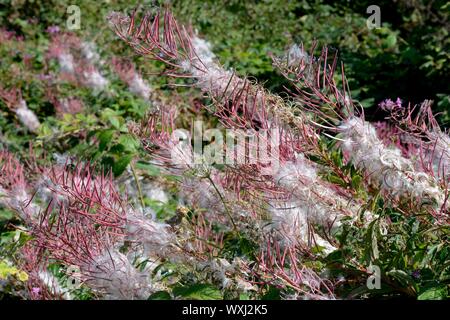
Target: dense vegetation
pixel 88 180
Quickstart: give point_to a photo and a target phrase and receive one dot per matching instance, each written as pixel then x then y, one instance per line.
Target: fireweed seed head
pixel 27 117
pixel 362 143
pixel 89 52
pixel 296 55
pixel 94 79
pixel 386 166
pixel 290 221
pixel 112 274
pixel 21 202
pixel 272 266
pixel 291 173
pixel 421 130
pixel 154 236
pixel 181 151
pixel 66 62
pixel 52 284
pixel 440 151
pixel 12 172
pixel 203 51
pixel 128 73
pixel 69 106
pixel 139 87
pixel 118 21
pixel 15 192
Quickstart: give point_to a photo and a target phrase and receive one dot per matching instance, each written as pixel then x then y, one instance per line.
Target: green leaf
pixel 356 181
pixel 117 148
pixel 272 294
pixel 160 295
pixel 244 296
pixel 198 291
pixel 121 164
pixel 130 143
pixel 113 117
pixel 435 293
pixel 391 40
pixel 6 215
pixel 402 277
pixel 150 169
pixel 7 270
pixel 337 256
pixel 238 246
pixel 105 138
pixel 367 103
pixel 115 122
pixel 371 241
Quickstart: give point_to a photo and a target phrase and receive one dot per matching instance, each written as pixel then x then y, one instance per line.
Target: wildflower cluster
pixel 264 192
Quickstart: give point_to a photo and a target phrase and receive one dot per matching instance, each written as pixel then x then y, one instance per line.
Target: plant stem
pixel 224 203
pixel 133 170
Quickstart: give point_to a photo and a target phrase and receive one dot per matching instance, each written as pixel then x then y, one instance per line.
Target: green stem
pixel 224 203
pixel 133 170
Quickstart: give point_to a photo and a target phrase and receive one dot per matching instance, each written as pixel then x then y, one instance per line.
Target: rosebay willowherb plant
pixel 291 196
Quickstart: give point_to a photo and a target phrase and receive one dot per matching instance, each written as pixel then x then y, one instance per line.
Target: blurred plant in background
pixel 407 57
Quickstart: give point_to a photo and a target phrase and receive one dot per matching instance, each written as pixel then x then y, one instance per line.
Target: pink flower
pixel 389 105
pixel 35 290
pixel 53 29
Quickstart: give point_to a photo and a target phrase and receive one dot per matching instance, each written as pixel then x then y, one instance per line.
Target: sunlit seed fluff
pixel 88 50
pixel 27 117
pixel 96 81
pixel 291 220
pixel 66 62
pixel 200 193
pixel 203 50
pixel 441 153
pixel 155 193
pixel 386 166
pixel 113 275
pixel 154 236
pixel 209 75
pixel 306 206
pixel 52 284
pixel 181 153
pixel 220 83
pixel 296 55
pixel 21 202
pixel 289 174
pixel 118 20
pixel 312 196
pixel 138 86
